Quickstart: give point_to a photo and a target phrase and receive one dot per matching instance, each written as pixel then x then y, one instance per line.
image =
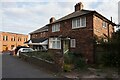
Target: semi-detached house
pixel 74 32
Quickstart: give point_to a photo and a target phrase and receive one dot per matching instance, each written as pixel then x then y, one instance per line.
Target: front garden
pixel 43 55
pixel 107 59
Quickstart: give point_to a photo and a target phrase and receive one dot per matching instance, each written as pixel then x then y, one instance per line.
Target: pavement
pixel 13 67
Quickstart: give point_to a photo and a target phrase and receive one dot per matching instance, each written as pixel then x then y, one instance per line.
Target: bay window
pixel 55 43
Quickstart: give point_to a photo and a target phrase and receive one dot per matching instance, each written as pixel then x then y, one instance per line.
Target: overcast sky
pixel 25 16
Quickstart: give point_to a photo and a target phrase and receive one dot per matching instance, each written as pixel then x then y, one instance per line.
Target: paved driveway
pixel 13 67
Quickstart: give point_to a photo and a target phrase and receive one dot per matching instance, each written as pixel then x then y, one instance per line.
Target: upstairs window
pixel 5 38
pixel 19 39
pixel 104 24
pixel 79 22
pixel 56 27
pixel 12 38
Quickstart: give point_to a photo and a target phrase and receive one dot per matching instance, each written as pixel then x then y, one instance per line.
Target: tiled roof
pixel 81 13
pixel 37 40
pixel 45 28
pixel 74 14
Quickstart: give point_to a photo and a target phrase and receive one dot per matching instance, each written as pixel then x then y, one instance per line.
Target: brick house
pixel 39 39
pixel 10 40
pixel 76 32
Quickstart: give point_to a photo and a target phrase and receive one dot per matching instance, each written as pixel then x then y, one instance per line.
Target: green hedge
pixel 42 55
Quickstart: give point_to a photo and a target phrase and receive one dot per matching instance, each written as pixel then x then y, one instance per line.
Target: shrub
pixel 110 59
pixel 43 55
pixel 80 63
pixel 68 59
pixel 67 67
pixel 71 58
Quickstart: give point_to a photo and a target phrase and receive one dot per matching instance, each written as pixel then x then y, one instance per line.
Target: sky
pixel 25 16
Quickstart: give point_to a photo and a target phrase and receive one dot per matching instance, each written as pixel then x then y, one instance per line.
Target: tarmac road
pixel 13 67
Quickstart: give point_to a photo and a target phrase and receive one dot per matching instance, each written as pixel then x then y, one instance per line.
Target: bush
pixel 43 55
pixel 67 67
pixel 80 63
pixel 110 59
pixel 71 58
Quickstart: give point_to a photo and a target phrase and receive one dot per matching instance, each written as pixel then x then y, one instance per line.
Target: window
pixel 104 24
pixel 55 43
pixel 19 39
pixel 12 38
pixel 73 43
pixel 79 22
pixel 24 39
pixel 41 34
pixel 55 27
pixel 12 46
pixel 5 38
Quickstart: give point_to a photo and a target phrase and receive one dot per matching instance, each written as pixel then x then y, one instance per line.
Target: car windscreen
pixel 27 50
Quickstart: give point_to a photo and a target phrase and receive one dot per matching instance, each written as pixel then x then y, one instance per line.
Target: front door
pixel 65 46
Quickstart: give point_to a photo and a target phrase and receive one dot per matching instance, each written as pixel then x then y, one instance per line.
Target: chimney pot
pixel 52 19
pixel 78 6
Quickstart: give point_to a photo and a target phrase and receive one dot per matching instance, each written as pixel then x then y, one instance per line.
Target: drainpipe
pixel 108 33
pixel 109 30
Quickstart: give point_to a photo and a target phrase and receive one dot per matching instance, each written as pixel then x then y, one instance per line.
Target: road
pixel 13 67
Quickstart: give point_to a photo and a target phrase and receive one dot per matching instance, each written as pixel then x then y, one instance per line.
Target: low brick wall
pixel 40 62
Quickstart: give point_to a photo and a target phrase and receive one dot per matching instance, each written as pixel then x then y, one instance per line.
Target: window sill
pixel 79 27
pixel 54 49
pixel 55 31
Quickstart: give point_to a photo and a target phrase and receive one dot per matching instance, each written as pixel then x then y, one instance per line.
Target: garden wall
pixel 40 62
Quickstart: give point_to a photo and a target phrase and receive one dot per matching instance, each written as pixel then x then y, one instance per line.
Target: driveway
pixel 13 67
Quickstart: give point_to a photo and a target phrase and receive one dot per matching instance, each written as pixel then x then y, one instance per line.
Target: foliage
pixel 72 58
pixel 69 58
pixel 43 55
pixel 111 51
pixel 80 63
pixel 67 67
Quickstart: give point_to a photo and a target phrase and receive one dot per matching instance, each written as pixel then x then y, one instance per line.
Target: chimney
pixel 111 19
pixel 52 19
pixel 79 6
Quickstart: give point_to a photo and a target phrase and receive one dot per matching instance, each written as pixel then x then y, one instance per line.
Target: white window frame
pixel 54 43
pixel 77 22
pixel 56 27
pixel 104 24
pixel 5 38
pixel 73 43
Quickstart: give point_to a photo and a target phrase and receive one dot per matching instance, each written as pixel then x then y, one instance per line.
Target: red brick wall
pixel 99 30
pixel 83 36
pixel 39 35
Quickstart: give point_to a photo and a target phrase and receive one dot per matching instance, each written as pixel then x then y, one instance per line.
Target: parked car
pixel 24 50
pixel 19 47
